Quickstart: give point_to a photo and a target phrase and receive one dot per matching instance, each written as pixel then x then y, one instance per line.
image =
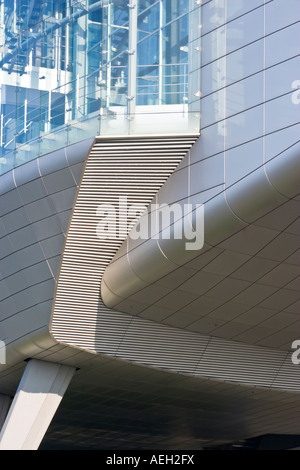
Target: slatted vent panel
pixel 130 167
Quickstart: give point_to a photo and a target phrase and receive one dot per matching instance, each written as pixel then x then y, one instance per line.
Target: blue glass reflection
pixel 90 67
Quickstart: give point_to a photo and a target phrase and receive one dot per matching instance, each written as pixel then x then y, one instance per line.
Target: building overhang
pixel 250 209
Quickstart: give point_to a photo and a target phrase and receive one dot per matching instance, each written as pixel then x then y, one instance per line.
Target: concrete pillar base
pixel 38 396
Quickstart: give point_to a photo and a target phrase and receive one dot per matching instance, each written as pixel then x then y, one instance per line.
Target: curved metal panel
pixel 284 171
pixel 253 196
pixel 155 260
pixel 34 213
pixel 226 214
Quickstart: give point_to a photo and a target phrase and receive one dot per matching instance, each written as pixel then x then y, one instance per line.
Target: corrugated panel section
pixel 169 348
pixel 288 376
pixel 243 363
pixel 131 167
pixel 160 346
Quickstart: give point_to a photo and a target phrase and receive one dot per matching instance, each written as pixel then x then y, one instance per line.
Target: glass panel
pixel 143 4
pixel 175 59
pixel 172 9
pixel 149 21
pixel 148 71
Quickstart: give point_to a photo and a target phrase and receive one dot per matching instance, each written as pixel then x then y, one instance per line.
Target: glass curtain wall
pixel 70 70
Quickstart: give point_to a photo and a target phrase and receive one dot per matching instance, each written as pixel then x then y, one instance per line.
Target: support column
pixel 38 396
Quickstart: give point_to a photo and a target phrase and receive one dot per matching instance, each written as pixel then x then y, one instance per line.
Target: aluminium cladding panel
pixel 80 319
pixel 139 263
pixel 36 201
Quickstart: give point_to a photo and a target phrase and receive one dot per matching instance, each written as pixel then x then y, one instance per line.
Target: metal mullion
pixel 160 62
pixel 132 57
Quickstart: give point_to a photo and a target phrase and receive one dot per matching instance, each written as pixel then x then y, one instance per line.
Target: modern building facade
pixel 121 123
